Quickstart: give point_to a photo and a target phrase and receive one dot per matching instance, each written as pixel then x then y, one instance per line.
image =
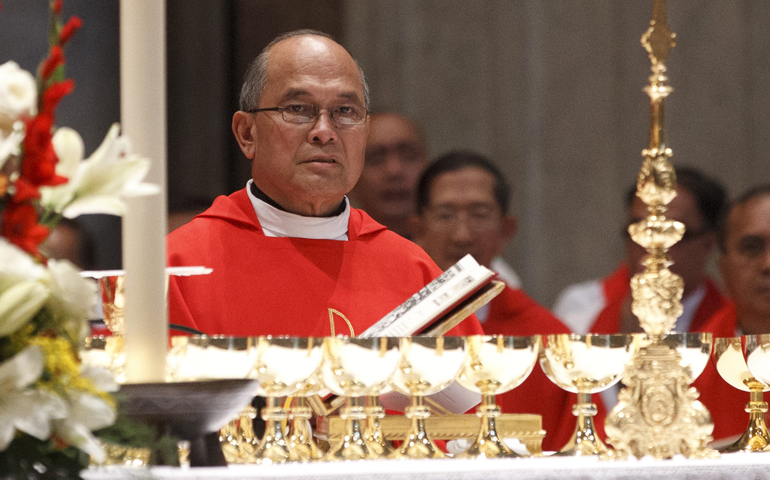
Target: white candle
pixel 143 81
pixel 144 260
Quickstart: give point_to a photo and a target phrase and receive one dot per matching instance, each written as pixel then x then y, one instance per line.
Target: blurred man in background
pixel 462 208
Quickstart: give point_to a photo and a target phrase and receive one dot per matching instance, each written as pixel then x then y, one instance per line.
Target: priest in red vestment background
pixel 462 207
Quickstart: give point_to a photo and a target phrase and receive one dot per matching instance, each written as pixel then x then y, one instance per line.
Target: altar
pixel 744 466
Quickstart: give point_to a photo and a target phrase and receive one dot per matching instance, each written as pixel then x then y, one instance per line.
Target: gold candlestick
pixel 658 412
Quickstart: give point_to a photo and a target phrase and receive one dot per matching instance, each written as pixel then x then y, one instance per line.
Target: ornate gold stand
pixel 658 412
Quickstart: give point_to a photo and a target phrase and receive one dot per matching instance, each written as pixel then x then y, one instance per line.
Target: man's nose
pixel 394 167
pixel 462 231
pixel 324 129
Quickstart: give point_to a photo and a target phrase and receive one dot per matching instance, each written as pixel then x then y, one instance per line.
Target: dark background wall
pixel 550 89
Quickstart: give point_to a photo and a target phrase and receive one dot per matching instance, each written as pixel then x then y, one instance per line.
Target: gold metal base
pixel 238 439
pixel 488 444
pixel 352 445
pixel 417 444
pixel 658 413
pixel 373 435
pixel 302 448
pixel 756 437
pixel 584 440
pixel 274 447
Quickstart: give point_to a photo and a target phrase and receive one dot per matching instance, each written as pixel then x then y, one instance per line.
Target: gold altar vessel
pixel 658 412
pixel 731 364
pixel 494 365
pixel 585 364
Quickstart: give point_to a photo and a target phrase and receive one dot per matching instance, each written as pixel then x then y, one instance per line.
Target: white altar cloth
pixel 742 466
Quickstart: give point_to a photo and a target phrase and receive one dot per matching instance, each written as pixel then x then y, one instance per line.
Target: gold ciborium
pixel 427 366
pixel 283 366
pixel 494 365
pixel 731 364
pixel 585 364
pixel 356 367
pixel 302 447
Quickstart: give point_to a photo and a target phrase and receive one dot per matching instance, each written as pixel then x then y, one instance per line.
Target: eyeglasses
pixel 306 113
pixel 479 218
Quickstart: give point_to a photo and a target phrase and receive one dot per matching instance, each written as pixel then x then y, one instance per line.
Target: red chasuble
pixel 291 286
pixel 514 313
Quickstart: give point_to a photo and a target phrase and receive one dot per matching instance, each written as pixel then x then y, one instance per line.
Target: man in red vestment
pixel 289 254
pixel 462 207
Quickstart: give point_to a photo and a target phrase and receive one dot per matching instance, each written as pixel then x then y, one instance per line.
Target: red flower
pixel 54 60
pixel 56 6
pixel 25 191
pixel 53 95
pixel 39 164
pixel 20 227
pixel 69 29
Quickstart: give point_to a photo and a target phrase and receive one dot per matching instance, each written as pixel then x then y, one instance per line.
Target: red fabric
pixel 716 315
pixel 514 313
pixel 286 286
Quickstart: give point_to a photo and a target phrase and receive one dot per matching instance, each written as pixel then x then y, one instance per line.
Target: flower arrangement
pixel 49 403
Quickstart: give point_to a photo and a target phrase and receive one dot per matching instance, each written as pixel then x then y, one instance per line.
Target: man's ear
pixel 243 130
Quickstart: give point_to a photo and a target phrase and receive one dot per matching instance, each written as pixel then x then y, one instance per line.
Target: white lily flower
pixel 17 265
pixel 98 183
pixel 86 413
pixel 71 294
pixel 18 95
pixel 22 408
pixel 19 304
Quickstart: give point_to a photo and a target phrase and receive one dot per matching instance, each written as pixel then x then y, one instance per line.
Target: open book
pixel 429 311
pixel 434 310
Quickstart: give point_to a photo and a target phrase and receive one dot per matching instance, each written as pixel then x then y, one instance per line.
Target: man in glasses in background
pixel 289 254
pixel 463 208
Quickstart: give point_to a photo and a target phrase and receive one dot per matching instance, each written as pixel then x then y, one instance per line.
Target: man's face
pixel 308 168
pixel 395 157
pixel 691 254
pixel 463 217
pixel 745 265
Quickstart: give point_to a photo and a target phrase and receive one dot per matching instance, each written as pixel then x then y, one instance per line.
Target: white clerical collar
pixel 279 223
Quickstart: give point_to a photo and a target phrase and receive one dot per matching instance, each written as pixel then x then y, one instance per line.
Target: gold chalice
pixel 283 366
pixel 302 447
pixel 203 357
pixel 356 367
pixel 731 364
pixel 585 364
pixel 375 439
pixel 427 366
pixel 112 289
pixel 494 365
